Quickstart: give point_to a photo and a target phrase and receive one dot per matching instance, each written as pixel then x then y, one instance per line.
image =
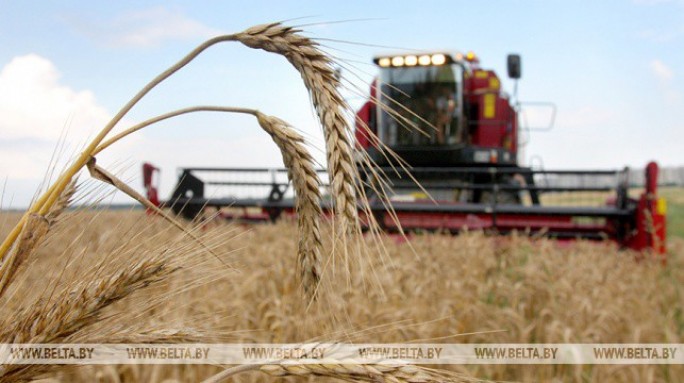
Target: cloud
pixel 656 3
pixel 34 105
pixel 666 76
pixel 39 117
pixel 662 35
pixel 661 71
pixel 144 28
pixel 44 124
pixel 652 2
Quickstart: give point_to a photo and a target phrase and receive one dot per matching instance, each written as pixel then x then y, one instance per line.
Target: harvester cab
pixel 448 119
pixel 441 110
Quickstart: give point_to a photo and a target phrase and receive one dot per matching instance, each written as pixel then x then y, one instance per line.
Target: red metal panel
pixel 458 221
pixel 650 232
pixel 363 118
pixel 362 125
pixel 482 80
pixel 493 113
pixel 512 136
pixel 151 190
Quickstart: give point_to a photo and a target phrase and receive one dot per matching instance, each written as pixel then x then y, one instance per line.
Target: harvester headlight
pixel 413 60
pixel 438 59
pixel 385 62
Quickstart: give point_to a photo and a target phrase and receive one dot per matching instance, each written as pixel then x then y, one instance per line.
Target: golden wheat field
pixel 468 288
pixel 77 276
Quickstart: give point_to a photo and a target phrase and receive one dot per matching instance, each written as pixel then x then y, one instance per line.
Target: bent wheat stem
pixel 319 77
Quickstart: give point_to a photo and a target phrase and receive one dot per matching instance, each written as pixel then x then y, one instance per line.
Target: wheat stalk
pixel 103 175
pixel 319 77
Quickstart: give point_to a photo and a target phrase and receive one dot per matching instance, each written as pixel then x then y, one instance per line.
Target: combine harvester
pixel 466 158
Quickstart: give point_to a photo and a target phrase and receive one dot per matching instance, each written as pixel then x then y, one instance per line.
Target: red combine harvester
pixel 464 153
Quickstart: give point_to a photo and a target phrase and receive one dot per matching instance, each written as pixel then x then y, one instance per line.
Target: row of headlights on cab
pixel 436 59
pixel 412 60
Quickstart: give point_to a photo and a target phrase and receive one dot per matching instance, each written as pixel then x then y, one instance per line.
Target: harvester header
pixel 449 120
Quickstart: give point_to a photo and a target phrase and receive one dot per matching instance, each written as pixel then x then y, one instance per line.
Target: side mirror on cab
pixel 514 66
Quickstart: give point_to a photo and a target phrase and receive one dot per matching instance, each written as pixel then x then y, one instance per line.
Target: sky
pixel 613 69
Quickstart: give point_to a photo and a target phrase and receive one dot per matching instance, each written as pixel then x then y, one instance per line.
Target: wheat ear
pixel 364 372
pixel 81 306
pixel 319 76
pixel 33 233
pixel 76 310
pixel 63 202
pixel 376 373
pixel 301 172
